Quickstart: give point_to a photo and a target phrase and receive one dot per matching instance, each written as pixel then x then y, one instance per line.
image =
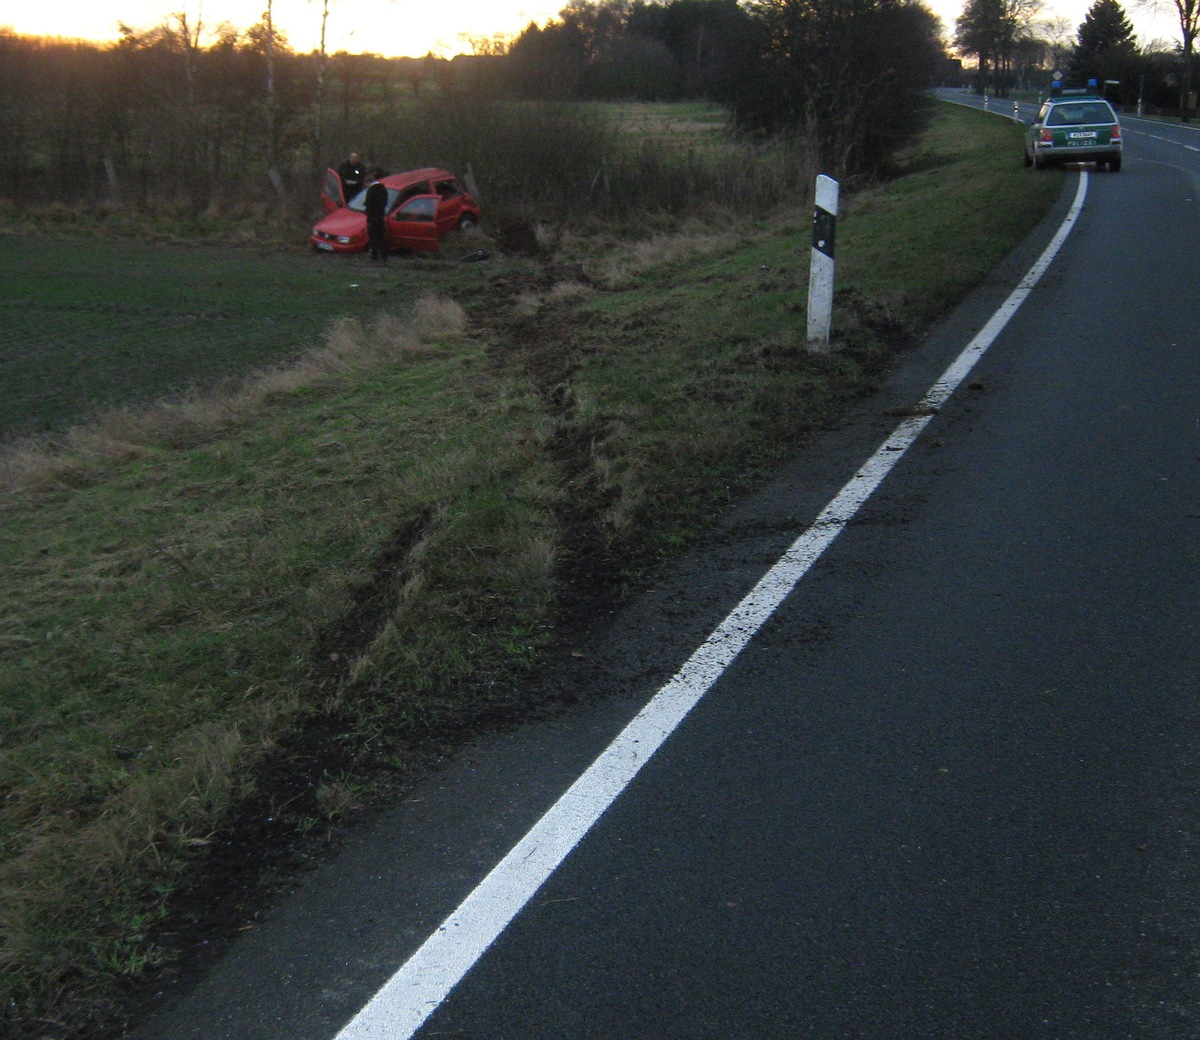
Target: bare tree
pixel 989 30
pixel 1058 34
pixel 189 49
pixel 1188 12
pixel 189 45
pixel 318 144
pixel 495 46
pixel 264 34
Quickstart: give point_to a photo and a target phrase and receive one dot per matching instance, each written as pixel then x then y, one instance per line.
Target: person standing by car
pixel 375 205
pixel 351 172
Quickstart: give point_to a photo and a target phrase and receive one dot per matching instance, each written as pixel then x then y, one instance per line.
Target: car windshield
pixel 1080 113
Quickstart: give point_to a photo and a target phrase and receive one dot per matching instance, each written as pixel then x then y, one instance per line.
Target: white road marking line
pixel 410 996
pixel 1167 140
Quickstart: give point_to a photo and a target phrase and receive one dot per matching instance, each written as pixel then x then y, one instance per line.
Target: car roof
pixel 410 177
pixel 1068 99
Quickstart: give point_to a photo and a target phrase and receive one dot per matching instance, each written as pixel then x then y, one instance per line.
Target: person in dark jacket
pixel 375 205
pixel 351 172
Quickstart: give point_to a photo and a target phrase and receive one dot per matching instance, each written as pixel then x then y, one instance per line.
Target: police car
pixel 1074 126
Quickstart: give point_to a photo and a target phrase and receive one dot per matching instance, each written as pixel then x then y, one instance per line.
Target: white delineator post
pixel 820 277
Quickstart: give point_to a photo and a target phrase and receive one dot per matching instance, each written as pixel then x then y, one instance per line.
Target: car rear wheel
pixel 1114 164
pixel 466 222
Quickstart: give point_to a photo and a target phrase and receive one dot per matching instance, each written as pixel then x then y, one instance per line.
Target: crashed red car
pixel 423 205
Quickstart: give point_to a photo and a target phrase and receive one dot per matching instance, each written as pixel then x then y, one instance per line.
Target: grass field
pixel 679 124
pixel 355 535
pixel 90 322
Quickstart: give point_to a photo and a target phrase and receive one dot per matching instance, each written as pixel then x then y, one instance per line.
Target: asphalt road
pixel 949 791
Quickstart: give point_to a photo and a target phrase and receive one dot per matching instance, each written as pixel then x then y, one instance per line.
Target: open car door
pixel 450 204
pixel 333 195
pixel 413 225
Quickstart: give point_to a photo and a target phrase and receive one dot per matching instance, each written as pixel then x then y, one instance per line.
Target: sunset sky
pixel 392 27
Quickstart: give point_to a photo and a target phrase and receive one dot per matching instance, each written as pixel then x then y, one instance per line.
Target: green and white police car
pixel 1074 126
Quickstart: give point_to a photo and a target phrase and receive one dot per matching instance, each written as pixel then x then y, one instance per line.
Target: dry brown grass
pixel 125 434
pixel 695 238
pixel 528 304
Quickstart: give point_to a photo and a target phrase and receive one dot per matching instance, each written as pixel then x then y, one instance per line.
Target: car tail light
pixel 1046 136
pixel 1116 134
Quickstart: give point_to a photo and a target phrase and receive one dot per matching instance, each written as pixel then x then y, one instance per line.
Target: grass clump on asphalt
pixel 366 542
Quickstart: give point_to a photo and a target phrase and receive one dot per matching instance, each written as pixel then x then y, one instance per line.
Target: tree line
pixel 1016 49
pixel 209 118
pixel 233 117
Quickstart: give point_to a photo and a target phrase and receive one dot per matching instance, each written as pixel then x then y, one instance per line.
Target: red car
pixel 422 206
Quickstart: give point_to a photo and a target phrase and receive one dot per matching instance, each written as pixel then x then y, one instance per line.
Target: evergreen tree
pixel 1106 49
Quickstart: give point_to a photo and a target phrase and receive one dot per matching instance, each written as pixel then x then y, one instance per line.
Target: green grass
pixel 368 539
pixel 924 239
pixel 89 322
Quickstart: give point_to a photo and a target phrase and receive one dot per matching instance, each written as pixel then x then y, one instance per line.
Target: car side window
pixel 447 189
pixel 404 194
pixel 422 209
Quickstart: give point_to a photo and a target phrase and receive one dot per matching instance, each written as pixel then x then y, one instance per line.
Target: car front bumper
pixel 335 245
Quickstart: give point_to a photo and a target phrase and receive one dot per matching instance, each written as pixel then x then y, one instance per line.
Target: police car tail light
pixel 1046 136
pixel 1116 134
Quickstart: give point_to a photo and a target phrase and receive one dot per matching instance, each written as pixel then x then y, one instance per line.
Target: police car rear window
pixel 1078 114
